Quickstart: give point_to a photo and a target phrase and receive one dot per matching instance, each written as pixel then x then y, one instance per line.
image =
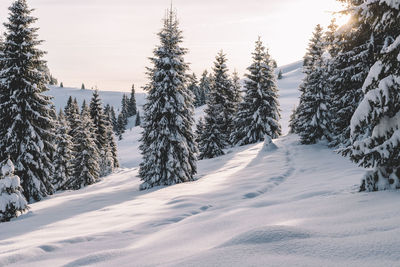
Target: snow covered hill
pixel 291 205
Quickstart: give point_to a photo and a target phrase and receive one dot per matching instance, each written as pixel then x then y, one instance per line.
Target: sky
pixel 106 44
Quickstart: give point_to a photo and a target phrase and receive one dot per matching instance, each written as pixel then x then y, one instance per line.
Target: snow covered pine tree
pixel 258 113
pixel 349 68
pixel 313 116
pixel 375 125
pixel 86 156
pixel 64 153
pixel 219 112
pixel 12 202
pixel 26 127
pixel 167 144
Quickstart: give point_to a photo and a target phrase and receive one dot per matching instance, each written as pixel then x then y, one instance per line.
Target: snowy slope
pixel 289 206
pixel 113 98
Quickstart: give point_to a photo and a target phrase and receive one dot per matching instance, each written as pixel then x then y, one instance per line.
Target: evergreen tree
pixel 102 135
pixel 64 153
pixel 26 127
pixel 313 117
pixel 237 88
pixel 195 89
pixel 12 202
pixel 61 85
pixel 132 103
pixel 121 125
pixel 223 98
pixel 212 140
pixel 375 123
pixel 138 121
pixel 258 114
pixel 204 87
pixel 280 75
pixel 168 146
pixel 199 131
pixel 350 68
pixel 293 121
pixel 83 86
pixel 85 165
pixel 72 116
pixel 110 135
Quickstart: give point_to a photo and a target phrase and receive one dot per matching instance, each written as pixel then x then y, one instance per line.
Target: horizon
pixel 84 45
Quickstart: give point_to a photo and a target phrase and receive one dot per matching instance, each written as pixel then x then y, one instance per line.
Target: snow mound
pixel 268 234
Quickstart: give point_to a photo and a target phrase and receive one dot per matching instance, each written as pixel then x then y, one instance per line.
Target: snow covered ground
pixel 292 205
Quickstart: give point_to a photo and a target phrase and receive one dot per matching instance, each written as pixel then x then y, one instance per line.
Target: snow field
pixel 289 206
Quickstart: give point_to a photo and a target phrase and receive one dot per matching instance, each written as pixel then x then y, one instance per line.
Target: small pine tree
pixel 293 121
pixel 168 146
pixel 61 85
pixel 237 90
pixel 121 126
pixel 83 86
pixel 132 103
pixel 138 121
pixel 259 111
pixel 12 202
pixel 199 130
pixel 194 88
pixel 26 126
pixel 86 157
pixel 280 75
pixel 64 153
pixel 204 87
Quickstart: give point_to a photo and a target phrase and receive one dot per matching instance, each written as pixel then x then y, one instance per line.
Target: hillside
pixel 256 206
pixel 113 98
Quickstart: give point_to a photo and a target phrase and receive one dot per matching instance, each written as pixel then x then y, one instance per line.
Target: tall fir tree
pixel 102 135
pixel 375 128
pixel 313 116
pixel 199 130
pixel 138 121
pixel 168 146
pixel 26 127
pixel 64 153
pixel 350 68
pixel 223 98
pixel 12 202
pixel 259 113
pixel 132 109
pixel 86 169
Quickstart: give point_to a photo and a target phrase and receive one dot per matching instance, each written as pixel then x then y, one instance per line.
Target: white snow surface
pixel 293 205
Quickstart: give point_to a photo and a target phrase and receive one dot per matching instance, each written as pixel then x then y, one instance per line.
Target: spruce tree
pixel 237 90
pixel 204 87
pixel 61 85
pixel 26 127
pixel 168 146
pixel 138 120
pixel 195 89
pixel 223 98
pixel 199 131
pixel 258 114
pixel 64 153
pixel 121 125
pixel 313 116
pixel 86 167
pixel 280 75
pixel 132 103
pixel 101 135
pixel 12 202
pixel 83 86
pixel 375 134
pixel 72 116
pixel 350 68
pixel 293 121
